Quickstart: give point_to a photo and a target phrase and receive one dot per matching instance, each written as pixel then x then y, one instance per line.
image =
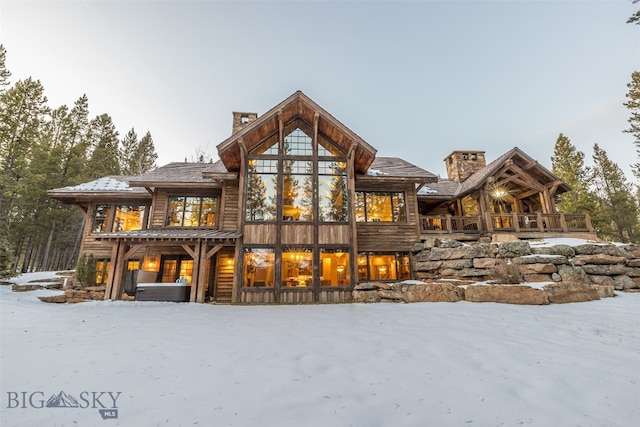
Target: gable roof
pixel 182 174
pixel 109 187
pixel 394 167
pixel 447 189
pixel 295 106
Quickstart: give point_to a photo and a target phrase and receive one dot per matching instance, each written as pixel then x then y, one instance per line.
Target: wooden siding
pixel 229 206
pixel 394 236
pixel 338 234
pixel 296 234
pixel 295 297
pixel 260 234
pixel 161 203
pixel 224 277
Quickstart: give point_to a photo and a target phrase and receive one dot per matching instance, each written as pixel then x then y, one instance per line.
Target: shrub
pixel 507 273
pixel 86 270
pixel 7 268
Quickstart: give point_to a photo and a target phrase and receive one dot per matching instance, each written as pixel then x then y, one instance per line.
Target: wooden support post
pixel 516 223
pixel 194 274
pixel 488 221
pixel 540 223
pixel 448 224
pixel 118 276
pixel 112 270
pixel 202 273
pixel 587 221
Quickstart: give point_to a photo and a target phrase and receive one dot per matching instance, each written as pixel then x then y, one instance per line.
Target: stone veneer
pixel 451 269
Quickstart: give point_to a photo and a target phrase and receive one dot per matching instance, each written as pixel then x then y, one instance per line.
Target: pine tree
pixel 633 104
pixel 145 156
pixel 4 73
pixel 128 147
pixel 104 159
pixel 568 163
pixel 616 203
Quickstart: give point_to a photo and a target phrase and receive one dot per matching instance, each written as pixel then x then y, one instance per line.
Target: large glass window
pixel 261 190
pixel 297 191
pixel 334 267
pixel 188 211
pixel 298 143
pixel 332 191
pixel 374 206
pixel 176 269
pixel 258 267
pixel 102 271
pixel 297 267
pixel 128 218
pixel 101 218
pixel 383 266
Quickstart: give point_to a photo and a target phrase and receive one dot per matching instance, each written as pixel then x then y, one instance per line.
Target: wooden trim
pixel 195 284
pixel 191 252
pixel 112 269
pixel 202 272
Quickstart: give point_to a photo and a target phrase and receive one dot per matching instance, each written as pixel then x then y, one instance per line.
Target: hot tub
pixel 175 292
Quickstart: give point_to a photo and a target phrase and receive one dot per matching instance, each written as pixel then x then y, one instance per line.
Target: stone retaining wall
pixel 451 270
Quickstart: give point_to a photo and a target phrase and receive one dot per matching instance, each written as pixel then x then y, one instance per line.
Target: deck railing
pixel 511 222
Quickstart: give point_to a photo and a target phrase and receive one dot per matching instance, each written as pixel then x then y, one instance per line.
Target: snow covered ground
pixel 427 364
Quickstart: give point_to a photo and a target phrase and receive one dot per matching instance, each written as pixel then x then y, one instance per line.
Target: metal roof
pixel 170 234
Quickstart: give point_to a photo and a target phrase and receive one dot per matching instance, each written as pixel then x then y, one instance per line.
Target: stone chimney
pixel 240 120
pixel 462 164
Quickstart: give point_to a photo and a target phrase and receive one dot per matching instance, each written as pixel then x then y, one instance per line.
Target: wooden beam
pixel 134 249
pixel 118 276
pixel 189 251
pixel 195 273
pixel 213 251
pixel 202 272
pixel 112 269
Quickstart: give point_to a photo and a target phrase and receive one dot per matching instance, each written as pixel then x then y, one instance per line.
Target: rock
pixel 635 262
pixel 391 296
pixel 424 276
pixel 450 243
pixel 508 294
pixel 381 285
pixel 604 291
pixel 427 265
pixel 606 270
pixel 564 250
pixel 485 262
pixel 561 293
pixel 601 280
pixel 458 264
pixel 437 254
pixel 593 249
pixel 417 247
pixel 25 288
pixel 465 272
pixel 58 299
pixel 598 259
pixel 573 274
pixel 556 277
pixel 367 286
pixel 432 292
pixel 538 268
pixel 535 278
pixel 633 272
pixel 366 296
pixel 478 250
pixel 542 259
pixel 623 283
pixel 514 249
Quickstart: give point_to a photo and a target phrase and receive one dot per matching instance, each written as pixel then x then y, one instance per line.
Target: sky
pixel 424 364
pixel 415 80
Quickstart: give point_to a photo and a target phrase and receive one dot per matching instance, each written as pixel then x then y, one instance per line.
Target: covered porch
pixel 200 262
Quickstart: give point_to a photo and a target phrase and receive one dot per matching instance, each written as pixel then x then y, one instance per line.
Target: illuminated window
pixel 102 271
pixel 128 218
pixel 335 267
pixel 298 143
pixel 373 206
pixel 258 267
pixel 176 268
pixel 383 266
pixel 297 267
pixel 187 211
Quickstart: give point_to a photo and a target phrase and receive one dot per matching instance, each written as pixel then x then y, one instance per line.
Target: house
pixel 299 209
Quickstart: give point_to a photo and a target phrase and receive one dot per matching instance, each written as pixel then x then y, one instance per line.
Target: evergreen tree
pixel 145 156
pixel 4 73
pixel 633 104
pixel 635 18
pixel 568 163
pixel 256 194
pixel 337 194
pixel 616 203
pixel 104 159
pixel 128 147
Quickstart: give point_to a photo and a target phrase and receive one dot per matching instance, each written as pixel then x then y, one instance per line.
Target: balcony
pixel 524 225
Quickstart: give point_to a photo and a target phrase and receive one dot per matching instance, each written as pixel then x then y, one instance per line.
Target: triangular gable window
pixel 298 143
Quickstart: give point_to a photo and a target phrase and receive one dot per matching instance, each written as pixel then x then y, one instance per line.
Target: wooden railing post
pixel 488 220
pixel 587 221
pixel 448 223
pixel 516 222
pixel 563 222
pixel 540 223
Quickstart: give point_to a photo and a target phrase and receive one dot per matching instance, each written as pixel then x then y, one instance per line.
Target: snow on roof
pixel 107 183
